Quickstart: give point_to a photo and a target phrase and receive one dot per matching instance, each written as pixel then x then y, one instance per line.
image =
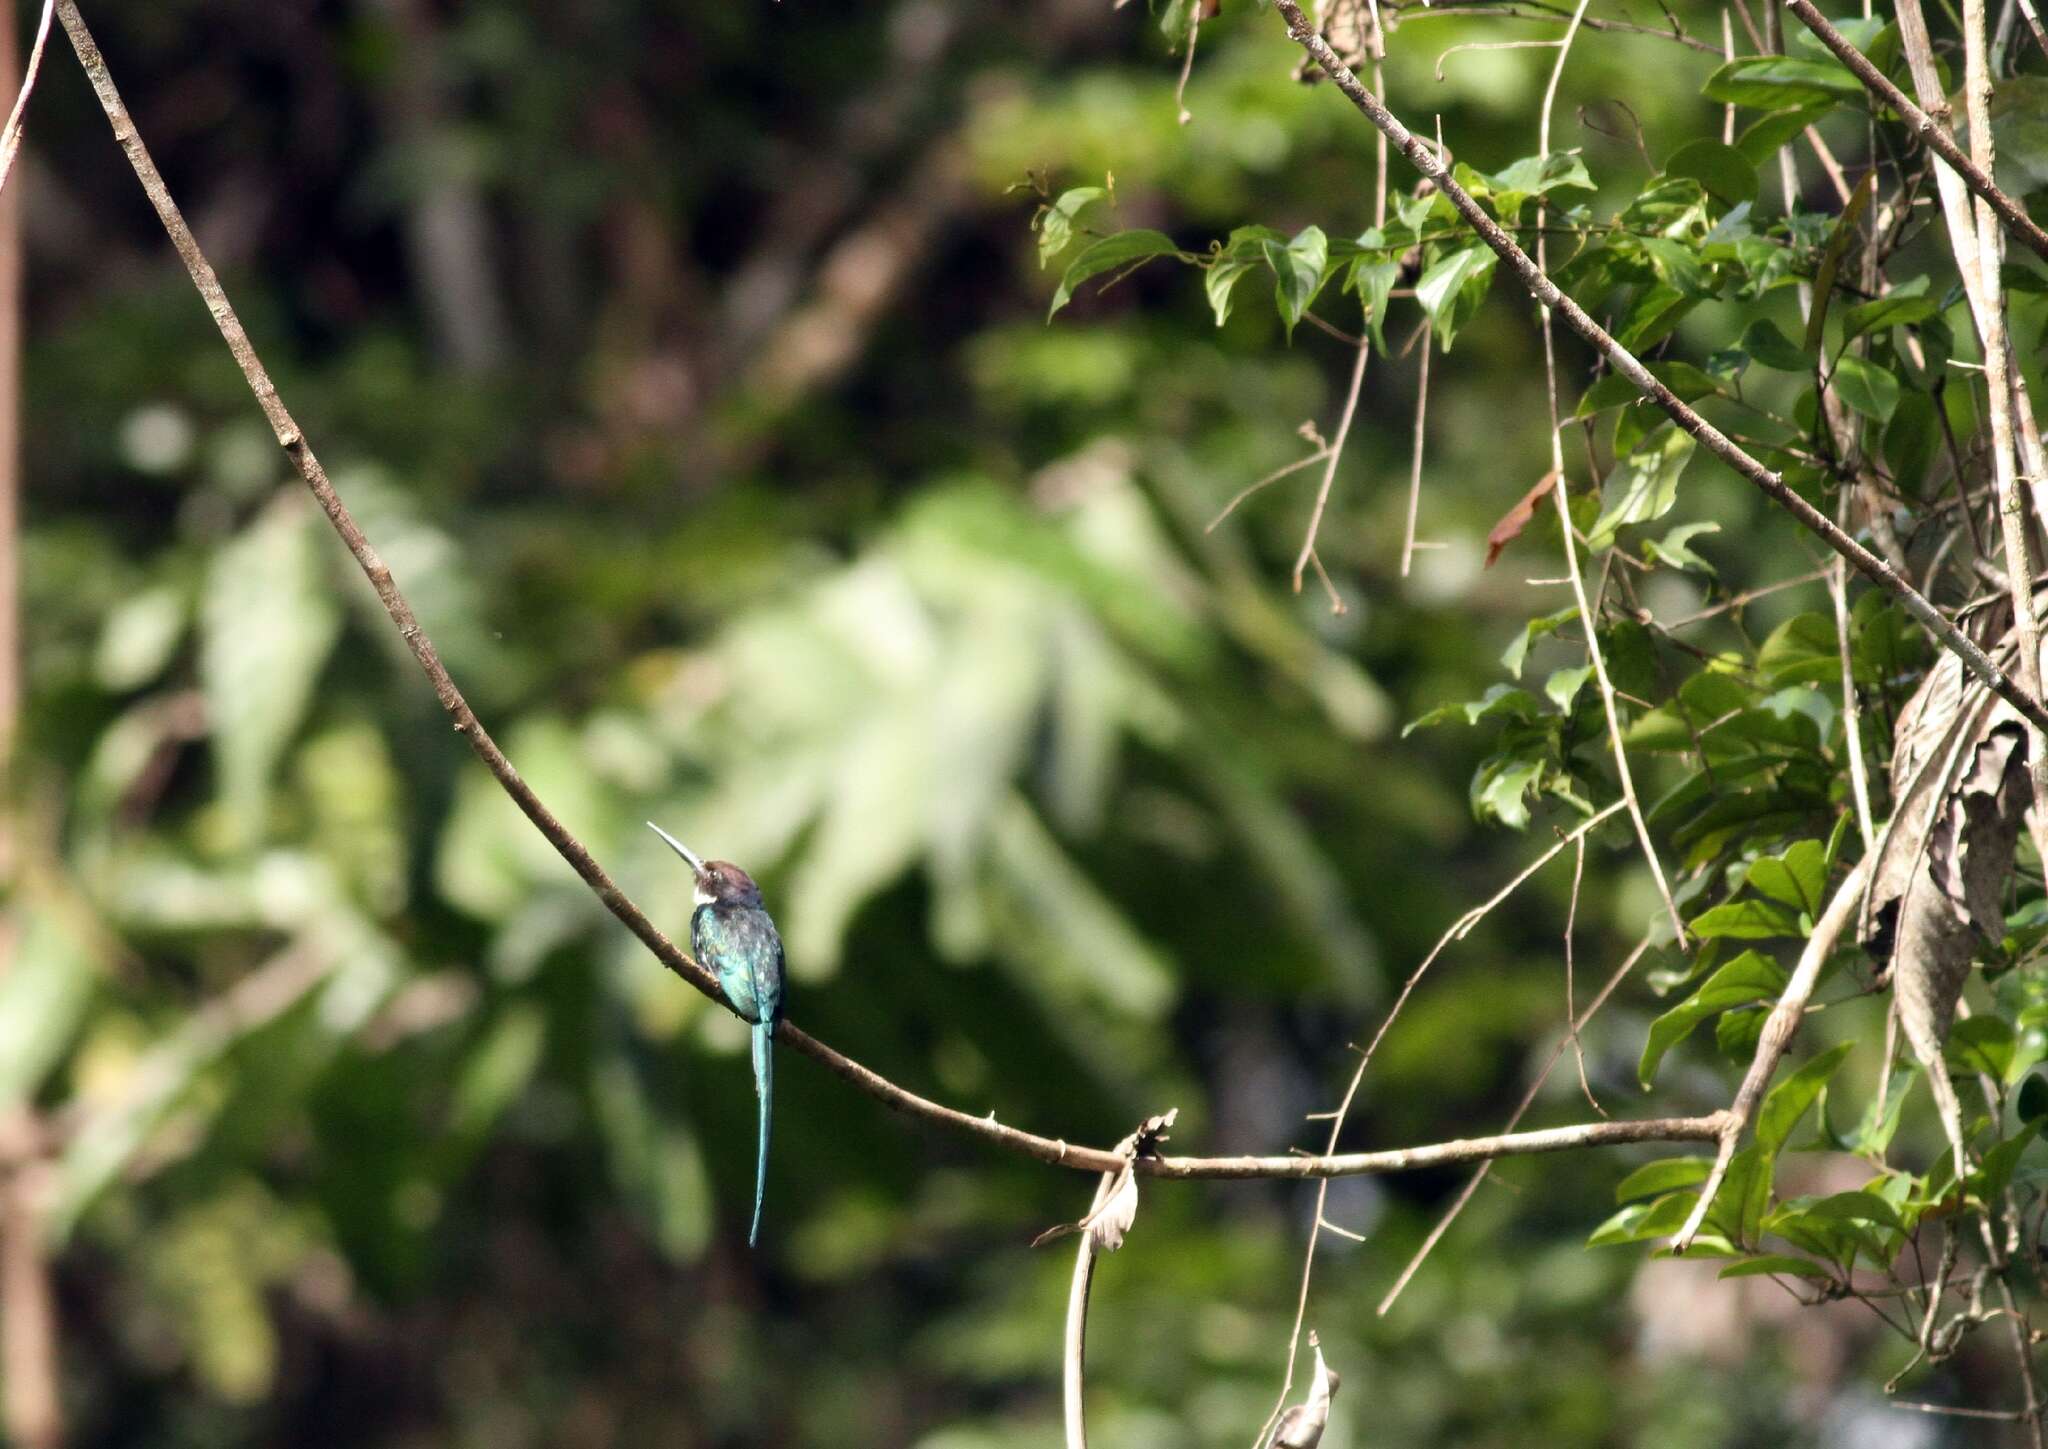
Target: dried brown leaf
pixel 1518 518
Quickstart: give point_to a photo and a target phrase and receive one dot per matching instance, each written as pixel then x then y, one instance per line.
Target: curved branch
pixel 987 1129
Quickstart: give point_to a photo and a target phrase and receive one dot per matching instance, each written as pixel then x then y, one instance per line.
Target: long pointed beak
pixel 679 848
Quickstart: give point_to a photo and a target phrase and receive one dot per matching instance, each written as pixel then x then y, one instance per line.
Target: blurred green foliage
pixel 688 366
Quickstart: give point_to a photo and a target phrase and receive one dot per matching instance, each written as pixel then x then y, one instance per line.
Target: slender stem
pixel 1630 366
pixel 1073 1378
pixel 1415 454
pixel 1336 455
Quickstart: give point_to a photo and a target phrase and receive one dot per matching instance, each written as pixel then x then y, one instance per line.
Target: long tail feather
pixel 764 1088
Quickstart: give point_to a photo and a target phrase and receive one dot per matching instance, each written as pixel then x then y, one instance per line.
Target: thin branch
pixel 1777 1033
pixel 1408 544
pixel 10 137
pixel 1630 366
pixel 1932 132
pixel 1588 624
pixel 1336 455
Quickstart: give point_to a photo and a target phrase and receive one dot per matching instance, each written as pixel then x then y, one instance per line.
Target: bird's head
pixel 719 882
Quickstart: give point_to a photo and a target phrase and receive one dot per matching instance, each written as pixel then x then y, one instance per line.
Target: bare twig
pixel 1777 1033
pixel 1630 366
pixel 1336 455
pixel 1415 455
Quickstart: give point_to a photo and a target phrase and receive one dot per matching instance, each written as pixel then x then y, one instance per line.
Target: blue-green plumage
pixel 732 933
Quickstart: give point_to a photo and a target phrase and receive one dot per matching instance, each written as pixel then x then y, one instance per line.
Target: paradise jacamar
pixel 732 934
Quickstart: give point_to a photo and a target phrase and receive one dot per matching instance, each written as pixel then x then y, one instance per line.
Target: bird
pixel 732 933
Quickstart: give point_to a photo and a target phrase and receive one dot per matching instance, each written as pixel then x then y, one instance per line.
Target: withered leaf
pixel 1518 518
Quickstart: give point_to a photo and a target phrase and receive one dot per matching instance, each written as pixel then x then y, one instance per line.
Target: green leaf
pixel 1802 650
pixel 1728 175
pixel 1564 685
pixel 1614 390
pixel 1540 628
pixel 1795 877
pixel 1220 281
pixel 1866 387
pixel 1738 1208
pixel 1763 139
pixel 1765 1263
pixel 1127 249
pixel 1675 548
pixel 1639 1222
pixel 1911 440
pixel 1749 978
pixel 1903 306
pixel 1774 82
pixel 1451 290
pixel 2033 1099
pixel 1763 341
pixel 1745 920
pixel 1789 1100
pixel 1535 176
pixel 1643 486
pixel 1373 276
pixel 1299 266
pixel 1980 1044
pixel 1653 1179
pixel 1056 222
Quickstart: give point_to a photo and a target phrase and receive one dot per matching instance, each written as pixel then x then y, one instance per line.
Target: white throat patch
pixel 701 896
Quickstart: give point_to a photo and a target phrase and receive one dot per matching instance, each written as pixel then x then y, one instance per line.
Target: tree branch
pixel 1631 367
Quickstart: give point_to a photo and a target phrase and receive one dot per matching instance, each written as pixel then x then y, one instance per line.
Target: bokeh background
pixel 688 363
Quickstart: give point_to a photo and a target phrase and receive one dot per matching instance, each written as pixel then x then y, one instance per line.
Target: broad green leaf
pixel 1763 341
pixel 1866 387
pixel 1056 222
pixel 1643 486
pixel 1535 176
pixel 1126 249
pixel 1727 174
pixel 1639 1222
pixel 1451 290
pixel 1737 1213
pixel 1745 920
pixel 1840 236
pixel 1675 548
pixel 1653 1179
pixel 1220 281
pixel 1778 1263
pixel 267 622
pixel 1299 267
pixel 1903 306
pixel 2033 1099
pixel 1795 877
pixel 1763 139
pixel 1911 440
pixel 1749 978
pixel 1980 1044
pixel 1500 789
pixel 1775 82
pixel 1802 650
pixel 1787 1102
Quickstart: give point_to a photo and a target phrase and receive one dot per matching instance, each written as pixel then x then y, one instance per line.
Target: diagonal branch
pixel 1630 366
